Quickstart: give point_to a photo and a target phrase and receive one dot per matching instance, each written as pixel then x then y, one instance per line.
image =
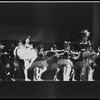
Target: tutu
pixel 65 62
pixel 40 63
pixel 88 54
pixel 27 54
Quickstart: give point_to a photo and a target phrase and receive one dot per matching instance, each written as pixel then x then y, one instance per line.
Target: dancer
pixel 40 65
pixel 29 56
pixel 86 54
pixel 66 62
pixel 55 65
pixel 18 60
pixel 74 59
pixel 93 64
pixel 2 68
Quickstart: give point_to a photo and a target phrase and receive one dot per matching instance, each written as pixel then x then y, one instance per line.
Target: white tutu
pixel 27 54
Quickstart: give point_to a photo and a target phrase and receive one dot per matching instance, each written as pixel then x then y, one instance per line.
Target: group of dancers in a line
pixel 68 60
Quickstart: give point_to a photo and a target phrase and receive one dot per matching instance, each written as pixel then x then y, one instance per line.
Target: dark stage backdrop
pixel 49 22
pixel 18 32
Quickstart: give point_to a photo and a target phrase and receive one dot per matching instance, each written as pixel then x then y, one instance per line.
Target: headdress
pixel 85 32
pixel 67 43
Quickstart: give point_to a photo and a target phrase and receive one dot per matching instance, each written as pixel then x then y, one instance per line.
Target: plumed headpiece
pixel 67 43
pixel 85 32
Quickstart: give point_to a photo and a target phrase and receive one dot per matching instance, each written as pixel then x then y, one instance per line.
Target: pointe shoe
pixel 81 80
pixel 74 80
pixel 40 79
pixel 56 79
pixel 91 80
pixel 27 80
pixel 65 80
pixel 35 80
